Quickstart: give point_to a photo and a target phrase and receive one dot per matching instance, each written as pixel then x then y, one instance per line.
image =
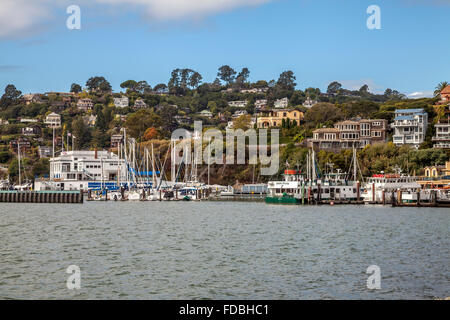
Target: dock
pixel 15 196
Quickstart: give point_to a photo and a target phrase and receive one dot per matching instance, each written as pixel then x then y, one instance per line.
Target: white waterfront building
pixel 410 127
pixel 82 170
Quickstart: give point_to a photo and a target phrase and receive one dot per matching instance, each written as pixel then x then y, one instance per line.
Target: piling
pixel 41 196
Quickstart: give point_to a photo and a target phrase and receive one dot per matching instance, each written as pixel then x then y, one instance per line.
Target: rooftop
pixel 409 111
pixel 326 130
pixel 446 90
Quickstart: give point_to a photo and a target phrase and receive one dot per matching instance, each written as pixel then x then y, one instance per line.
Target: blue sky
pixel 320 40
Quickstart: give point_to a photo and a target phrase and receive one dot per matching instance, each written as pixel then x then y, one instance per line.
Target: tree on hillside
pixel 440 87
pixel 161 88
pixel 393 94
pixel 98 84
pixel 226 74
pixel 75 88
pixel 242 76
pixel 181 79
pixel 10 97
pixel 143 87
pixel 140 121
pixel 364 90
pixel 130 85
pixel 261 84
pixel 286 80
pixel 150 134
pixel 323 114
pixel 243 122
pixel 81 133
pixel 195 79
pixel 334 87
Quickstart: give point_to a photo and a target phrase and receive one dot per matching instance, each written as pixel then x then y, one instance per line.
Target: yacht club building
pixel 82 170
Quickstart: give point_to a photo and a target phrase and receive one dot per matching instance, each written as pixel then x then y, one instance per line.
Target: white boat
pixel 331 187
pixel 133 195
pixel 379 187
pixel 314 187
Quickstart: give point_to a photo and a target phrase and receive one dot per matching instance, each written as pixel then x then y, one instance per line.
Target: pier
pixel 41 196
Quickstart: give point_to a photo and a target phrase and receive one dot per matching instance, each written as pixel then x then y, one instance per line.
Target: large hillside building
pixel 410 127
pixel 349 134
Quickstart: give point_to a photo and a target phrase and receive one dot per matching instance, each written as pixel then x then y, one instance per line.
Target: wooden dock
pixel 41 196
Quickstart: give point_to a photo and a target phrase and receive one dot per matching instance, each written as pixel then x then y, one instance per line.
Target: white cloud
pixel 421 94
pixel 20 17
pixel 175 9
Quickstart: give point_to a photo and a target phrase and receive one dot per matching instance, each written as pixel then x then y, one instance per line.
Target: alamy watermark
pixel 74 280
pixel 374 20
pixel 73 22
pixel 183 139
pixel 374 280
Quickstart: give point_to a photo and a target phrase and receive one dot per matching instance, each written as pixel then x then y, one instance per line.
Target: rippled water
pixel 191 250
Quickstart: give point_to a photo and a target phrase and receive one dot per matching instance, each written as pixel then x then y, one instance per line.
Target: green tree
pixel 81 133
pixel 334 87
pixel 143 87
pixel 140 121
pixel 286 80
pixel 98 84
pixel 242 76
pixel 130 85
pixel 440 87
pixel 4 156
pixel 243 122
pixel 322 114
pixel 226 74
pixel 41 167
pixel 10 97
pixel 75 88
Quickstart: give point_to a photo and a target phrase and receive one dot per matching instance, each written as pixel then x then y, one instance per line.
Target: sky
pixel 320 40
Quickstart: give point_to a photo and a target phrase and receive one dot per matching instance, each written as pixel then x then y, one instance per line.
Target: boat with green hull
pixel 284 199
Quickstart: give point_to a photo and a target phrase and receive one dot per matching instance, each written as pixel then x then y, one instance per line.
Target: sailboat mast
pixel 18 154
pixel 209 155
pixel 354 164
pixel 153 169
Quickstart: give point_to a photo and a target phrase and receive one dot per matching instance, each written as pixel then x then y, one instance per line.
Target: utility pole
pixel 53 145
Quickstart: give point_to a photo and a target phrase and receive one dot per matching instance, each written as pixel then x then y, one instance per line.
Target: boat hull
pixel 282 200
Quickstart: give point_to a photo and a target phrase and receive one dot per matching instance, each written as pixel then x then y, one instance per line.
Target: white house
pixel 309 103
pixel 140 104
pixel 239 113
pixel 410 126
pixel 85 104
pixel 281 103
pixel 53 120
pixel 261 103
pixel 121 102
pixel 205 113
pixel 238 104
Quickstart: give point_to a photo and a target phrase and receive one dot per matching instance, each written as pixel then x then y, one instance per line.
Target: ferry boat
pixel 295 189
pixel 379 187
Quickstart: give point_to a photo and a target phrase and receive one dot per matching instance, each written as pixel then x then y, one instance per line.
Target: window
pixel 365 129
pixel 376 133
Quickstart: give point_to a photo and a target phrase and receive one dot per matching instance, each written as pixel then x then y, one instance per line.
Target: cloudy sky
pixel 320 40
